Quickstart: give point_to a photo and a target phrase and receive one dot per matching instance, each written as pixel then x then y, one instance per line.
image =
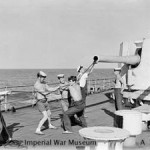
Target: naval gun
pixel 134 61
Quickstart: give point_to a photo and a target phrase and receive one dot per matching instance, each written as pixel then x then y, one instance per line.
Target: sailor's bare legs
pixel 49 120
pixel 42 121
pixel 46 116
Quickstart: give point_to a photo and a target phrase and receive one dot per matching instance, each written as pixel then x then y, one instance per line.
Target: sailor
pixel 63 91
pixel 42 90
pixel 118 89
pixel 77 107
pixel 82 78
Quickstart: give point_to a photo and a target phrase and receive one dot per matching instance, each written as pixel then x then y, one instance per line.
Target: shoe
pixel 39 132
pixel 67 132
pixel 52 127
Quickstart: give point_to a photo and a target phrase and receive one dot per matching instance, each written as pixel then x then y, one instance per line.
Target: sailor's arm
pixel 91 68
pixel 64 87
pixel 79 76
pixel 51 89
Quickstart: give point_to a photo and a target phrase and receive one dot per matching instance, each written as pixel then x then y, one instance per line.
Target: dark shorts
pixel 43 106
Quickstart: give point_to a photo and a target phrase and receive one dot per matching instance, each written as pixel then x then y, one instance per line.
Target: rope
pixel 30 85
pixel 13 92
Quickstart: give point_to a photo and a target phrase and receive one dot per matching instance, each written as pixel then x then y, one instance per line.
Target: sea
pixel 27 77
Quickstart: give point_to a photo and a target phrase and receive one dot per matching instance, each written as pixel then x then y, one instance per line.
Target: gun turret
pixel 135 59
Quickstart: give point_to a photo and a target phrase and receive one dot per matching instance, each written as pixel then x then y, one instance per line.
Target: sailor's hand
pixel 60 88
pixel 34 101
pixel 63 87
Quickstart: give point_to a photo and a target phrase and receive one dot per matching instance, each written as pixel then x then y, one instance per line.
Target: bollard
pixel 131 121
pixel 145 110
pixel 107 138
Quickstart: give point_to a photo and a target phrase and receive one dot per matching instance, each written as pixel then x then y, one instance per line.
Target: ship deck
pixel 100 112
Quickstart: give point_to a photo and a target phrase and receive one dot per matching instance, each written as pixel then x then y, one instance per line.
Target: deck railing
pixel 25 92
pixel 100 85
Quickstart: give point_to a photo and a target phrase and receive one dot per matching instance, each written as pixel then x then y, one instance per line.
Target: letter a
pixel 142 142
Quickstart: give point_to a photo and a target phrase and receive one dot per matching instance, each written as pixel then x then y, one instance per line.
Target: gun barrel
pixel 130 60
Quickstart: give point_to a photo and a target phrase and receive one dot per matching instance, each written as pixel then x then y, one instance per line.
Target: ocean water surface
pixel 27 77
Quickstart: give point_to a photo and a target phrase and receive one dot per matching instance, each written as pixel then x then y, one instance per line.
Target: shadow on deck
pixel 22 124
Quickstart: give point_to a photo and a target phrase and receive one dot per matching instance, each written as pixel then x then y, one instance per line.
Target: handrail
pixel 30 85
pixel 98 85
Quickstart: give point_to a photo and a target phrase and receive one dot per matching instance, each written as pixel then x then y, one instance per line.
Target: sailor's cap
pixel 60 76
pixel 79 68
pixel 117 69
pixel 41 73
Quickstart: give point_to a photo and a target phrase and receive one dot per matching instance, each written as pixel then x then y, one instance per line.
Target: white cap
pixel 117 69
pixel 79 68
pixel 41 73
pixel 60 76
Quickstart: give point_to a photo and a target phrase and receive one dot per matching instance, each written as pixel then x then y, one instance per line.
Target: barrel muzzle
pixel 95 58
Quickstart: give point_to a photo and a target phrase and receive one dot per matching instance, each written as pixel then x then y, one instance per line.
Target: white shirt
pixel 83 79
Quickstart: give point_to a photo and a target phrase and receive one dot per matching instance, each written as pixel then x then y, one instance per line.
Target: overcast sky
pixel 68 33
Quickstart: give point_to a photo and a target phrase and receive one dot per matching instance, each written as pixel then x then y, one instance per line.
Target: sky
pixel 68 33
